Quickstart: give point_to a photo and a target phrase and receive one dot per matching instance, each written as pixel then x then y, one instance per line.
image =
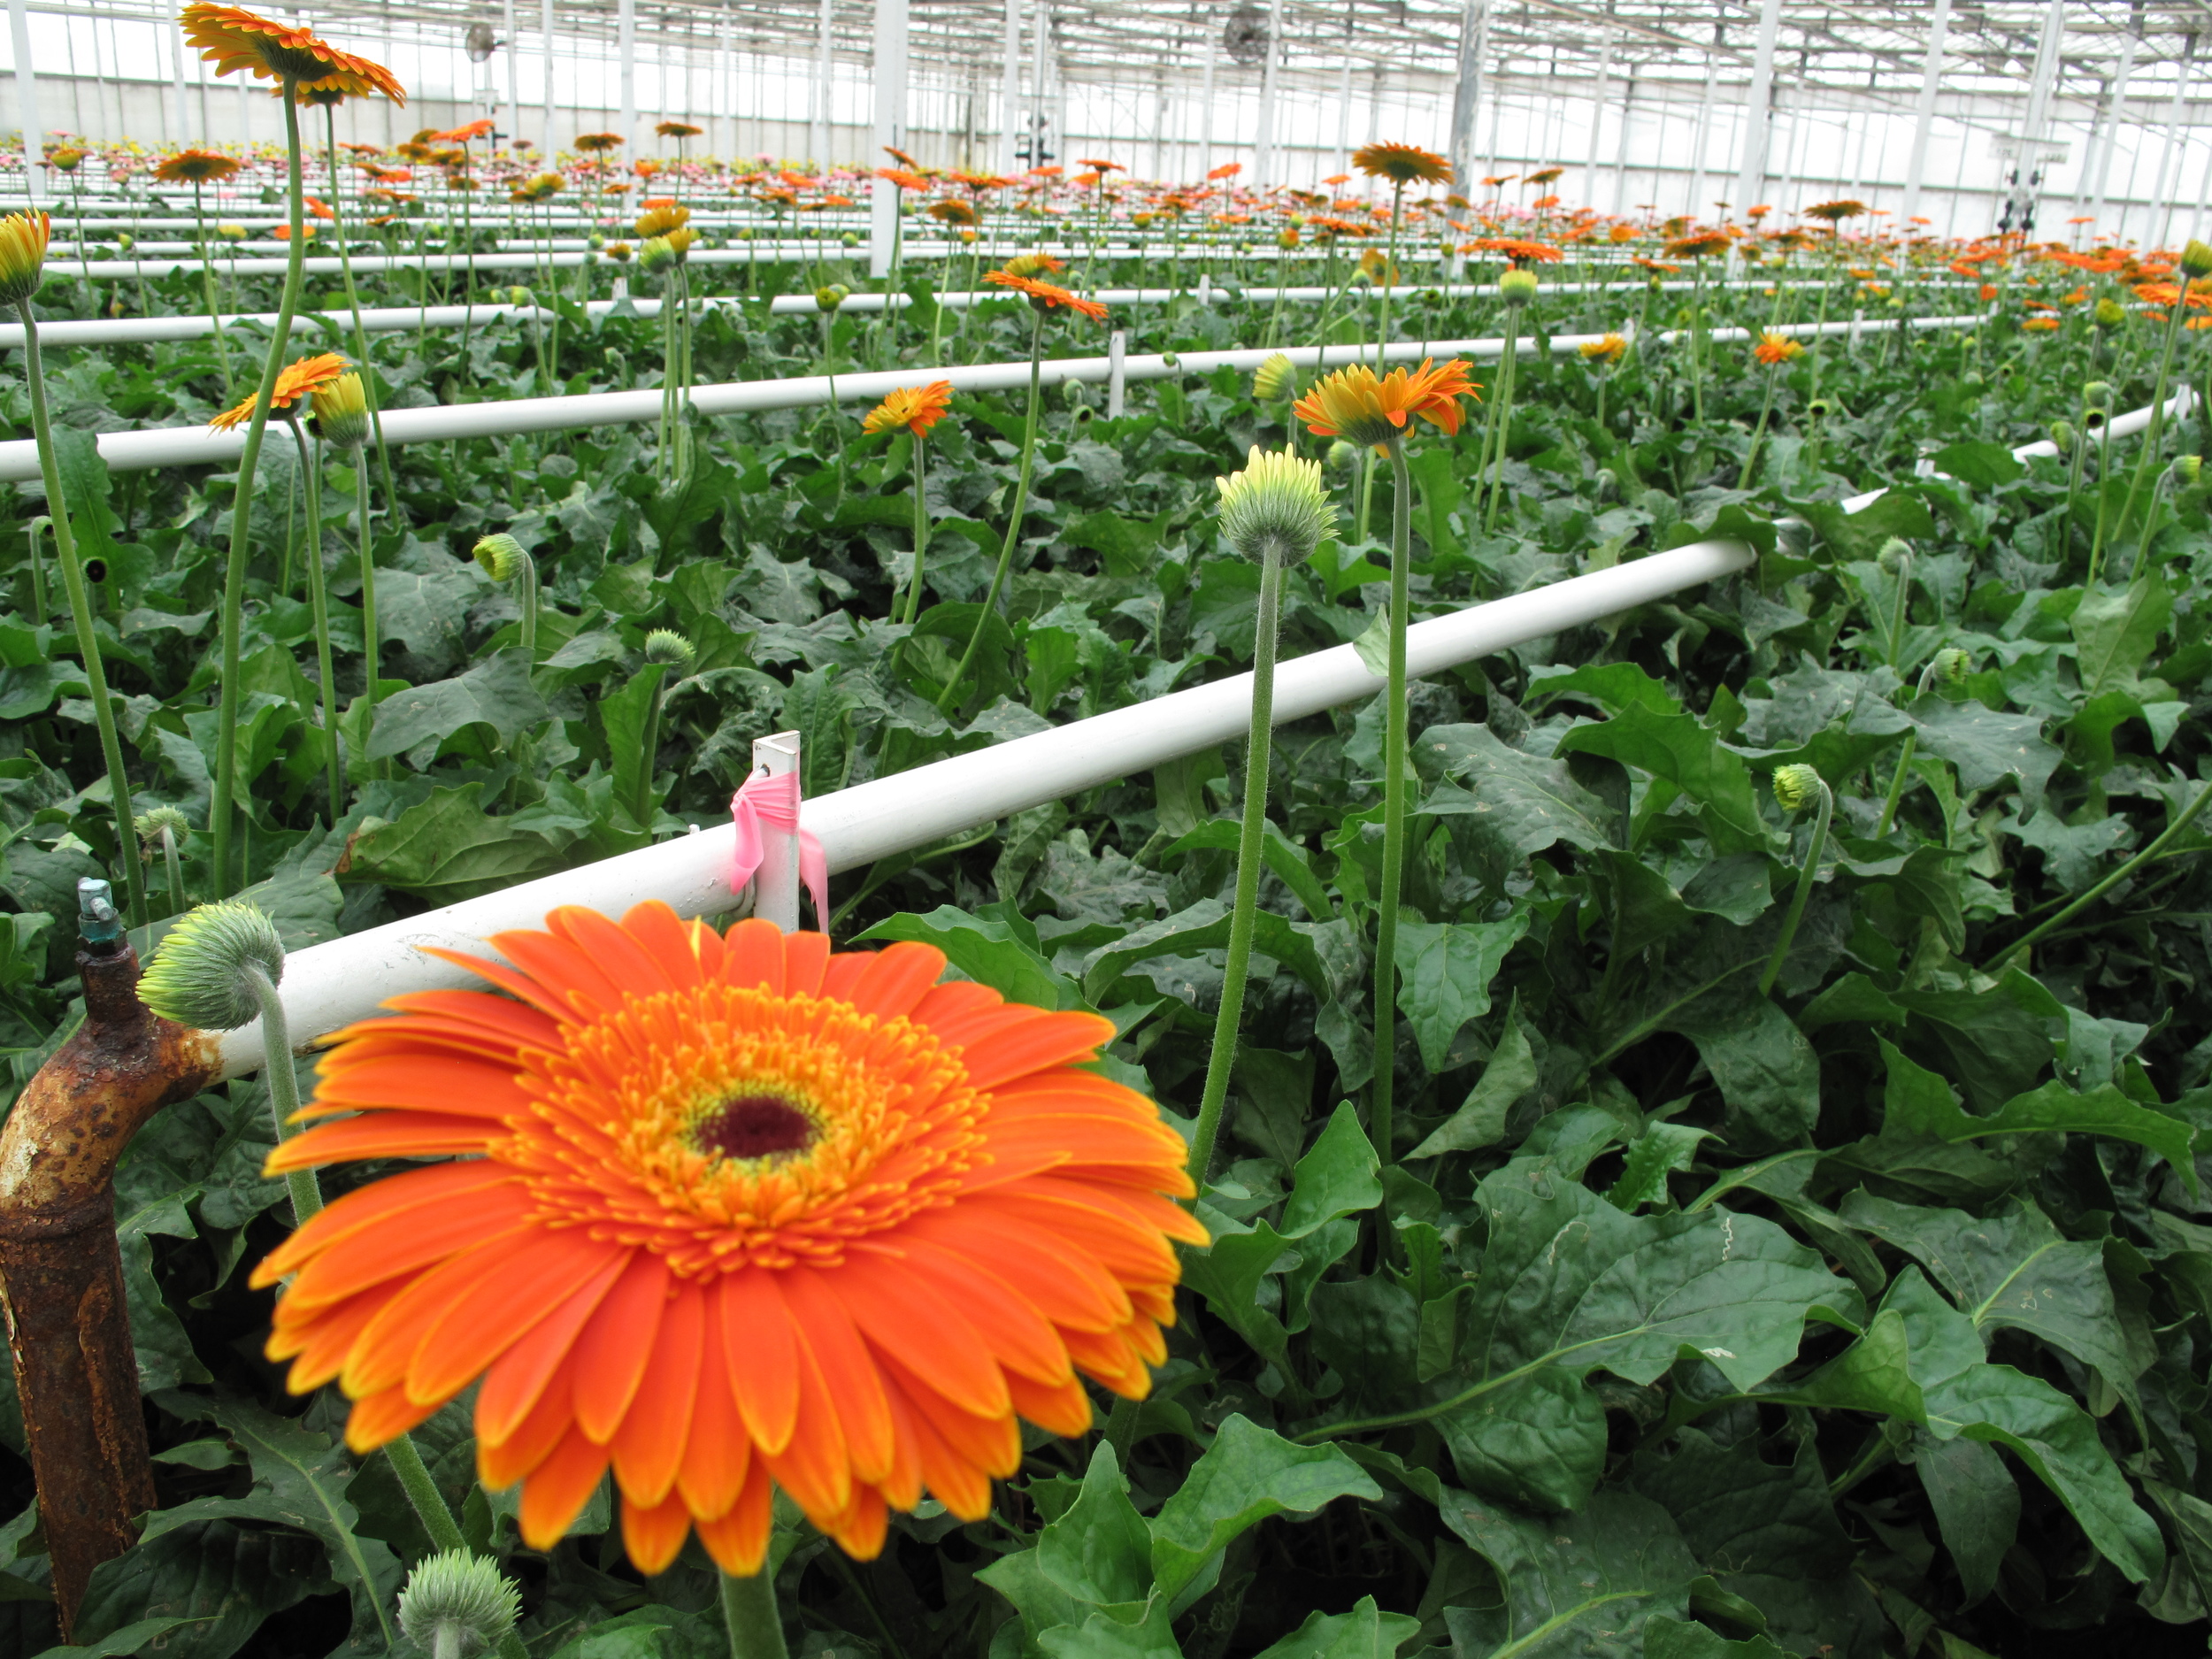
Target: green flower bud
pixel 2107 313
pixel 1341 453
pixel 455 1602
pixel 151 823
pixel 2064 436
pixel 1896 555
pixel 2096 394
pixel 2187 468
pixel 501 556
pixel 202 976
pixel 2196 259
pixel 655 256
pixel 830 295
pixel 1951 664
pixel 1796 787
pixel 1820 407
pixel 1275 506
pixel 1517 287
pixel 667 648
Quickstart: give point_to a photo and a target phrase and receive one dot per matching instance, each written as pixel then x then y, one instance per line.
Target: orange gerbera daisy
pixel 196 166
pixel 1402 163
pixel 309 374
pixel 1606 350
pixel 1046 296
pixel 1704 245
pixel 1516 248
pixel 1775 349
pixel 725 1212
pixel 1367 408
pixel 230 37
pixel 917 408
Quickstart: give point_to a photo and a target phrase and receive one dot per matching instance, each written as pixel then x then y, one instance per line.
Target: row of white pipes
pixel 330 986
pixel 204 445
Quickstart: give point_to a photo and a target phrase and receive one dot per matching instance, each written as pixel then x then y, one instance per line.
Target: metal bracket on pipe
pixel 776 883
pixel 1116 377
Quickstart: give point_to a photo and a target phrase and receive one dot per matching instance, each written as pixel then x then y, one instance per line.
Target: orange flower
pixel 230 37
pixel 902 179
pixel 1046 296
pixel 592 143
pixel 1607 348
pixel 1988 292
pixel 1226 169
pixel 1358 404
pixel 2039 325
pixel 464 134
pixel 1515 248
pixel 1775 349
pixel 196 166
pixel 1402 163
pixel 1704 245
pixel 917 408
pixel 309 374
pixel 678 129
pixel 725 1213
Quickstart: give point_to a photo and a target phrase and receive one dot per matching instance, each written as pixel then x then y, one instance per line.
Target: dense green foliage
pixel 1867 1318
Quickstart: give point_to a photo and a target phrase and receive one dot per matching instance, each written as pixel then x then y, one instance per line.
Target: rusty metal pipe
pixel 61 1272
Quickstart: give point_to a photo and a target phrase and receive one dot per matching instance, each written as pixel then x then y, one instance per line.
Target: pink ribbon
pixel 762 804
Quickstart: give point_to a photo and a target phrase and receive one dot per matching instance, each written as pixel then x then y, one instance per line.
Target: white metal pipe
pixel 776 883
pixel 330 986
pixel 1466 94
pixel 202 446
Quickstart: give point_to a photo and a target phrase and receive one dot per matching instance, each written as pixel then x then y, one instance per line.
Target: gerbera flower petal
pixel 380 1357
pixel 763 1347
pixel 908 1322
pixel 558 1488
pixel 427 1135
pixel 502 1308
pixel 849 1369
pixel 649 1447
pixel 738 1540
pixel 617 1344
pixel 711 1481
pixel 402 1245
pixel 519 1378
pixel 456 1186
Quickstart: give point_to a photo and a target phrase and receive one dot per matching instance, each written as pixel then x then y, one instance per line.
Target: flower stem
pixel 2149 453
pixel 2172 832
pixel 641 804
pixel 173 867
pixel 372 640
pixel 423 1495
pixel 1804 890
pixel 946 698
pixel 748 1607
pixel 284 1089
pixel 1751 456
pixel 318 602
pixel 1380 1125
pixel 224 806
pixel 353 305
pixel 921 536
pixel 80 614
pixel 37 527
pixel 1897 784
pixel 207 289
pixel 1229 1018
pixel 1509 371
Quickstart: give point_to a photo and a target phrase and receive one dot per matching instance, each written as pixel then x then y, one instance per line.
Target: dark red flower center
pixel 754 1126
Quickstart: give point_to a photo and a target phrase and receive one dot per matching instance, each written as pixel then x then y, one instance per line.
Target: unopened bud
pixel 203 974
pixel 1796 786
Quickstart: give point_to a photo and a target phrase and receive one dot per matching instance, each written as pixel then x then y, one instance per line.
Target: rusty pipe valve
pixel 61 1272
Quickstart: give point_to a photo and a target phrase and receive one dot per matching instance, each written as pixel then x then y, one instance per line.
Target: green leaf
pixel 1614 686
pixel 2115 632
pixel 1512 804
pixel 987 949
pixel 1987 746
pixel 1689 755
pixel 1976 1505
pixel 1480 1120
pixel 1284 857
pixel 1098 1551
pixel 496 693
pixel 1363 1634
pixel 2011 1270
pixel 1337 1177
pixel 1575 1586
pixel 131 1639
pixel 1982 465
pixel 1920 1103
pixel 1660 1150
pixel 1247 1475
pixel 1761 1063
pixel 1445 973
pixel 1666 1638
pixel 448 848
pixel 222 1580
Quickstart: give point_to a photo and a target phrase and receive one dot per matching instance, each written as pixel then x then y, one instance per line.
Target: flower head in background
pixel 1704 245
pixel 1835 212
pixel 727 1214
pixel 915 408
pixel 230 37
pixel 1272 377
pixel 678 129
pixel 298 379
pixel 341 412
pixel 1357 403
pixel 1606 350
pixel 597 144
pixel 1775 349
pixel 1046 296
pixel 1276 508
pixel 196 166
pixel 1402 163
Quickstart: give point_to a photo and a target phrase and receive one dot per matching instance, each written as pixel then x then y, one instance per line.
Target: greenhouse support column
pixel 626 52
pixel 1264 148
pixel 27 102
pixel 184 108
pixel 2170 153
pixel 2037 121
pixel 776 883
pixel 514 72
pixel 890 128
pixel 1597 118
pixel 1206 104
pixel 1758 132
pixel 818 97
pixel 1620 153
pixel 1037 24
pixel 1923 112
pixel 1701 140
pixel 1474 29
pixel 1009 95
pixel 1344 118
pixel 2091 200
pixel 545 26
